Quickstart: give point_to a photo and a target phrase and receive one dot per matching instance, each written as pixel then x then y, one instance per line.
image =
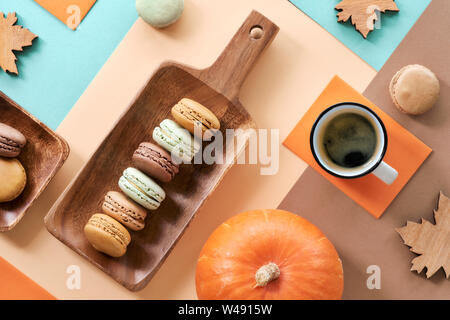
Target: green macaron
pixel 177 140
pixel 141 188
pixel 160 13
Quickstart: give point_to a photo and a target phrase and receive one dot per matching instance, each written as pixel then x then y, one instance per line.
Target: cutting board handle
pixel 229 71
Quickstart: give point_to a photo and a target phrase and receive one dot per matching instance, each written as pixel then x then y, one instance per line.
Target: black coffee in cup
pixel 350 140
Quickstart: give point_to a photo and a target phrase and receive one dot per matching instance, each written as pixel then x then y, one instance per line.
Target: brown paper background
pixel 360 239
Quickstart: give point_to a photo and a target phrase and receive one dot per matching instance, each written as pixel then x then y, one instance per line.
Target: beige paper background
pixel 285 82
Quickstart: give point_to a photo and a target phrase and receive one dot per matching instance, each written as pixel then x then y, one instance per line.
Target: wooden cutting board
pixel 360 240
pixel 216 87
pixel 43 155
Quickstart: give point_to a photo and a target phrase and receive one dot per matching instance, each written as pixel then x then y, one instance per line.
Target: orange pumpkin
pixel 268 254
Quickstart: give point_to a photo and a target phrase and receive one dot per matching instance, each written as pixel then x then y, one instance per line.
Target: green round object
pixel 160 13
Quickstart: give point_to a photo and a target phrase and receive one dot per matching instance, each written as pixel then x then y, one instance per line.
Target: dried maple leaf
pixel 12 38
pixel 431 242
pixel 363 12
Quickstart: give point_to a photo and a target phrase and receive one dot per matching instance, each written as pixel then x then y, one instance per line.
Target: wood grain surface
pixel 42 156
pixel 217 88
pixel 13 37
pixel 363 13
pixel 430 241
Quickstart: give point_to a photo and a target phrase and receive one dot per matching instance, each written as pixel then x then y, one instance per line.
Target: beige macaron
pixel 119 207
pixel 107 235
pixel 12 179
pixel 414 89
pixel 189 114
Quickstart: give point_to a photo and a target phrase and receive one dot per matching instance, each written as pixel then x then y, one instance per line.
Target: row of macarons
pixel 107 232
pixel 13 175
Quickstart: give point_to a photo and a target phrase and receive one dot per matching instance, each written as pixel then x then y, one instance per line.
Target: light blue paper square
pixel 58 68
pixel 380 43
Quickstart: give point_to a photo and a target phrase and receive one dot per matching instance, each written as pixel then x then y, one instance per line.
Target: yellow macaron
pixel 189 113
pixel 13 179
pixel 107 235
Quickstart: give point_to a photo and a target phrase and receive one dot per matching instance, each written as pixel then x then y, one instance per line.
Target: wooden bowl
pixel 217 88
pixel 43 155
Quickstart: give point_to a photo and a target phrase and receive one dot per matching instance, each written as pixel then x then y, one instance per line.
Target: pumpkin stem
pixel 266 274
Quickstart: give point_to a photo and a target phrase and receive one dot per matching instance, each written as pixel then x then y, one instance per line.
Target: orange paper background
pixel 59 8
pixel 17 286
pixel 405 152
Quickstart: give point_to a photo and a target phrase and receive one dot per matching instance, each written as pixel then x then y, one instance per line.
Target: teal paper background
pixel 58 68
pixel 380 43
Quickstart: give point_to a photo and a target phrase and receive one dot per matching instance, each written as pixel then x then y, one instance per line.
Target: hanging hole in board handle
pixel 256 32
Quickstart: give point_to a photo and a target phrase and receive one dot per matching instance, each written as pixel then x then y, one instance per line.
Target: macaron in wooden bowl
pixel 155 161
pixel 141 189
pixel 11 141
pixel 12 179
pixel 107 235
pixel 189 114
pixel 176 140
pixel 130 214
pixel 42 156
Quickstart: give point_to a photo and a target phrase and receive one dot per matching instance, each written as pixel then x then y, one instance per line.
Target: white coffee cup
pixel 374 165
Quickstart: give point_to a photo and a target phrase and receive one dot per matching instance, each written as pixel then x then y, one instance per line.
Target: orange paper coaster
pixel 405 152
pixel 70 12
pixel 14 285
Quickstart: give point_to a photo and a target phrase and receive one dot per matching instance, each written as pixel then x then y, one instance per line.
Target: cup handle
pixel 385 173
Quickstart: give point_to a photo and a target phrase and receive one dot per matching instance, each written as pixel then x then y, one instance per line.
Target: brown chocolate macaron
pixel 155 161
pixel 11 141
